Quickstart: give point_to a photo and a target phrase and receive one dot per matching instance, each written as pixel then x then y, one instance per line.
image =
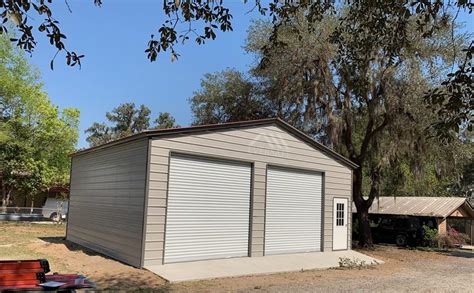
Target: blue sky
pixel 115 68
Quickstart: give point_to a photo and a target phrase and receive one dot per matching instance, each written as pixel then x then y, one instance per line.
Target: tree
pixel 4 134
pixel 99 133
pixel 125 120
pixel 128 120
pixel 164 121
pixel 35 156
pixel 359 86
pixel 227 96
pixel 37 137
pixel 465 185
pixel 202 19
pixel 391 27
pixel 357 93
pixel 454 101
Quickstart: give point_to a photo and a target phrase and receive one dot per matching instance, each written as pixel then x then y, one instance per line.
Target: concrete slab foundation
pixel 233 267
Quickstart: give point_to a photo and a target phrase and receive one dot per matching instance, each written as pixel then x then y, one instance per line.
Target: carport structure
pixel 453 211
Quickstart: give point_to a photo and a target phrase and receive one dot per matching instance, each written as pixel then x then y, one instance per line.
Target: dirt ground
pixel 404 270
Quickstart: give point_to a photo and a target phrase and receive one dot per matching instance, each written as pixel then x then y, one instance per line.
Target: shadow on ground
pixel 107 272
pixel 125 282
pixel 458 253
pixel 71 245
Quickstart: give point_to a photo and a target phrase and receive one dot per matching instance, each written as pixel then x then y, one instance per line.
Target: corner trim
pixel 69 203
pixel 323 209
pixel 145 203
pixel 166 208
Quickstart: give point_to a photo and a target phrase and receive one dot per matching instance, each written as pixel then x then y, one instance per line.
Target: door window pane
pixel 340 214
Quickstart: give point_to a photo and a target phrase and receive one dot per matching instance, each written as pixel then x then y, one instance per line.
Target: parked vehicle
pixel 401 230
pixel 55 209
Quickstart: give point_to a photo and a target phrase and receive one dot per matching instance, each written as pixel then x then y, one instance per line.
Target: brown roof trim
pixel 466 205
pixel 109 144
pixel 469 208
pixel 420 206
pixel 178 130
pixel 229 125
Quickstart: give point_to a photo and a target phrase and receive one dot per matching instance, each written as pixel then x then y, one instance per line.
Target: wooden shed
pixel 456 212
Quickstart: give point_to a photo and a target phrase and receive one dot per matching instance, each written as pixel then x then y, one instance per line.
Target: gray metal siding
pixel 107 200
pixel 260 145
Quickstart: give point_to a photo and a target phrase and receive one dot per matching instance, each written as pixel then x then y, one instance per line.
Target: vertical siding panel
pixel 258 208
pixel 157 194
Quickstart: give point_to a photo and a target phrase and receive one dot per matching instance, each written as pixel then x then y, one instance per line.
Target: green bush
pixel 430 235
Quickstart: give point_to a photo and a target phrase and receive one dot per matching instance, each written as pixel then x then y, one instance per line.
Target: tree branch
pixel 374 189
pixel 347 135
pixel 370 133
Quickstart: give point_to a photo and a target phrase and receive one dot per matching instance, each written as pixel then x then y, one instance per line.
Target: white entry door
pixel 208 209
pixel 340 224
pixel 293 211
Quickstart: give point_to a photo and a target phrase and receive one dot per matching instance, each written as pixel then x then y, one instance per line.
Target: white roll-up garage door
pixel 208 209
pixel 293 211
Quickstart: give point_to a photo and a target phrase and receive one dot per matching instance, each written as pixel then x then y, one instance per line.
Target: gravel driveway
pixel 430 274
pixel 404 271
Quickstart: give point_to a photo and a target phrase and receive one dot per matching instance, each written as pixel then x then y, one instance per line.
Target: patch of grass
pixel 425 249
pixel 16 237
pixel 23 252
pixel 14 232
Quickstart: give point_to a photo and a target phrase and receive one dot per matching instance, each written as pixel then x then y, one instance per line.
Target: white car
pixel 54 208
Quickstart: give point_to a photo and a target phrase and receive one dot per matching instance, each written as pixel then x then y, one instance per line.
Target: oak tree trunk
pixel 362 205
pixel 365 235
pixel 6 194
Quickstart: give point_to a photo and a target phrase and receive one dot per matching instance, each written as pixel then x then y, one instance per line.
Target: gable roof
pixel 440 207
pixel 156 133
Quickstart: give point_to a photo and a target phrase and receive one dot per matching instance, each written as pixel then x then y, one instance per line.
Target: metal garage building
pixel 242 189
